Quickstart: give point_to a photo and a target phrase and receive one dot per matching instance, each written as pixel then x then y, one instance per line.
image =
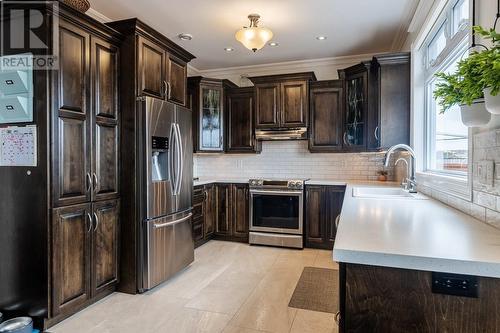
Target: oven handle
pixel 297 193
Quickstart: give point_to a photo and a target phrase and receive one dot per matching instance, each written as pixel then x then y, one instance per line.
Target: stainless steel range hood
pixel 299 133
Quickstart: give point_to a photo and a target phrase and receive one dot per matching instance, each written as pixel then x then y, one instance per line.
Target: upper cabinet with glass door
pixel 206 99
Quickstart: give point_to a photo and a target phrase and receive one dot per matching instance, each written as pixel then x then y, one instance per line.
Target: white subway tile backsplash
pixel 291 159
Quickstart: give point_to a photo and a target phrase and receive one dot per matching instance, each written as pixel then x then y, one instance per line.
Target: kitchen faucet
pixel 411 184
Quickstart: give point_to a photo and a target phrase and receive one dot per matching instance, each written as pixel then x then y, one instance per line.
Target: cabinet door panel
pixel 73 68
pixel 240 211
pixel 177 76
pixel 105 245
pixel 268 105
pixel 151 69
pixel 326 119
pixel 70 257
pixel 355 114
pixel 294 101
pixel 240 119
pixel 223 212
pixel 334 201
pixel 71 129
pixel 106 162
pixel 210 210
pixel 315 216
pixel 105 70
pixel 71 159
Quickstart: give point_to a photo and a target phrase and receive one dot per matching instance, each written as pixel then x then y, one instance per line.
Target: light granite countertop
pixel 415 234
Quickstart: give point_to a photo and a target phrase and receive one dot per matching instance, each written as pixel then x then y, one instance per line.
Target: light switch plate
pixel 484 172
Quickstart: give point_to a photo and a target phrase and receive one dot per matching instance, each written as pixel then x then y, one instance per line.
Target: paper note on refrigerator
pixel 18 146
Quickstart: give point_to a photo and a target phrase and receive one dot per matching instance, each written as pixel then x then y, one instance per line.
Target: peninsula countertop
pixel 415 234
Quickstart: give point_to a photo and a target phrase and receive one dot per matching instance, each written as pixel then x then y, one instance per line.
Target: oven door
pixel 276 211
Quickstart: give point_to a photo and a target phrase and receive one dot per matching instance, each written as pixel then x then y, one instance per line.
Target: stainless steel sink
pixel 385 193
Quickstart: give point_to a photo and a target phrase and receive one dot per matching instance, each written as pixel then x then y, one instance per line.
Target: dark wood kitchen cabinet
pixel 221 211
pixel 204 207
pixel 86 167
pixel 282 101
pixel 326 113
pixel 161 69
pixel 86 133
pixel 377 103
pixel 223 197
pixel 71 259
pixel 389 116
pixel 207 100
pixel 240 121
pixel 323 206
pixel 85 254
pixel 240 212
pixel 105 245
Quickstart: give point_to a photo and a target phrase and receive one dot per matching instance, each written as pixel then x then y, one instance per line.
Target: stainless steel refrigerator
pixel 168 169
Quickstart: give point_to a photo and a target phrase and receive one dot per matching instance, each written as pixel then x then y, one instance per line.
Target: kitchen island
pixel 415 265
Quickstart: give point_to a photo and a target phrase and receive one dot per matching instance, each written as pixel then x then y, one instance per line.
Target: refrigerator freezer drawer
pixel 170 248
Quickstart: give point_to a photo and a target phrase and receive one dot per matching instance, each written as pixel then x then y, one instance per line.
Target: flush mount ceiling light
pixel 321 37
pixel 185 36
pixel 254 37
pixel 228 49
pixel 273 44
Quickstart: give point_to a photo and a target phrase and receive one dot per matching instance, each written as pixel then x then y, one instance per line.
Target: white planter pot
pixel 492 103
pixel 475 115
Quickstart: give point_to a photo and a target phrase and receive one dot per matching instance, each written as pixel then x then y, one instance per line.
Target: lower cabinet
pixel 220 211
pixel 323 206
pixel 84 254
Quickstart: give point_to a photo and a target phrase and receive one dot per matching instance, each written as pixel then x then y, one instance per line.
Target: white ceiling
pixel 352 26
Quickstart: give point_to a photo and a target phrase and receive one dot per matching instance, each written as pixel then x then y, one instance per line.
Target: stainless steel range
pixel 276 212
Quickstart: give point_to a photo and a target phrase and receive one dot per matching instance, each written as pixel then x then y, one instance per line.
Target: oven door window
pixel 276 211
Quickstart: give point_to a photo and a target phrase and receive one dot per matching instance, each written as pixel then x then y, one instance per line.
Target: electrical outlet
pixel 455 284
pixel 484 172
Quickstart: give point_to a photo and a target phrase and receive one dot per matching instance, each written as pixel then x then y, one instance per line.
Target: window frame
pixel 450 182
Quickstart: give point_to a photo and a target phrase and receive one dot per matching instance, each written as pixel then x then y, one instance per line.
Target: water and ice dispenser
pixel 159 162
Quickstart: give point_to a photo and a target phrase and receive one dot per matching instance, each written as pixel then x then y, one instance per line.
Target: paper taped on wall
pixel 18 146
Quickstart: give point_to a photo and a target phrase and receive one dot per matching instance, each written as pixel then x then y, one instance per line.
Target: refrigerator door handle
pixel 173 180
pixel 180 161
pixel 163 225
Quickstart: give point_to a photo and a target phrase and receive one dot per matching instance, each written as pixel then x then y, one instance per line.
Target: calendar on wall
pixel 18 146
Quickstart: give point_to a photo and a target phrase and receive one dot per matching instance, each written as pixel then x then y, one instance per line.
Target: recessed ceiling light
pixel 228 49
pixel 185 36
pixel 321 37
pixel 274 44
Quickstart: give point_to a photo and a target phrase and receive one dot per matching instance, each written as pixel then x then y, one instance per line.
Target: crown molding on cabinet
pixel 295 66
pixel 97 15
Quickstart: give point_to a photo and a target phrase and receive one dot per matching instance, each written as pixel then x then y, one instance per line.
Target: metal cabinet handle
pixel 169 90
pixel 376 133
pixel 96 222
pixel 90 222
pixel 345 140
pixel 88 181
pixel 205 193
pixel 337 220
pixel 337 318
pixel 164 88
pixel 95 183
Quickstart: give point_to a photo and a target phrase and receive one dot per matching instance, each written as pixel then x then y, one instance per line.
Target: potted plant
pixel 382 175
pixel 464 88
pixel 489 61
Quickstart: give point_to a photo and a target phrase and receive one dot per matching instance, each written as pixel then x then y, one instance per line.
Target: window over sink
pixel 441 138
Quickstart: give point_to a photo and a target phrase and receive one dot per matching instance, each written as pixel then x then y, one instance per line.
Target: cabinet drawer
pixel 198 211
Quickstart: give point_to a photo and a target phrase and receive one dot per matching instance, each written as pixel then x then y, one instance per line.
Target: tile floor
pixel 230 287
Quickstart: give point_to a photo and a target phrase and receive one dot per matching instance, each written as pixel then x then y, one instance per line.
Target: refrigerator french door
pixel 168 164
